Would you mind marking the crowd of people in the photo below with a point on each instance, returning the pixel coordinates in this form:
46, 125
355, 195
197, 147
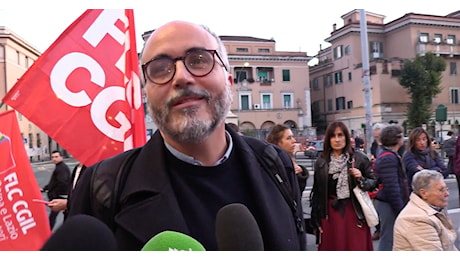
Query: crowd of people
195, 164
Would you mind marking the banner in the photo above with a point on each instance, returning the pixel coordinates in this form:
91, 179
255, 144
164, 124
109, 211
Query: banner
84, 91
23, 223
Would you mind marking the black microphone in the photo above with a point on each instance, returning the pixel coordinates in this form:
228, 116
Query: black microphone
81, 233
237, 229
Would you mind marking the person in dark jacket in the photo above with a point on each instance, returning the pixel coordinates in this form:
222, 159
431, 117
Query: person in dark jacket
457, 166
421, 155
61, 204
194, 164
449, 149
58, 185
282, 136
394, 192
336, 214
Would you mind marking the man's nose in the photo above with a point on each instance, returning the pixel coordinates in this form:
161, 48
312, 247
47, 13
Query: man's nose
182, 75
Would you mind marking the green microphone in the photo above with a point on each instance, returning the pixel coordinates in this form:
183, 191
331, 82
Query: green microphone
172, 241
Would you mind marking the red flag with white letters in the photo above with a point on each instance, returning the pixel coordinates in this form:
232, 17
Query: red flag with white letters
84, 91
23, 222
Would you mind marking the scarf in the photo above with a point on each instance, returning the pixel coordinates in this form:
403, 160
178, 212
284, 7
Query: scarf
339, 170
424, 156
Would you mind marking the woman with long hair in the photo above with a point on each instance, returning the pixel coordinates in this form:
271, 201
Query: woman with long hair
337, 216
282, 136
421, 155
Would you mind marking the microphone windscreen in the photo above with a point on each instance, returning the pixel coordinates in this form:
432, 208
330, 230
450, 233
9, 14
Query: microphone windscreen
172, 241
81, 233
237, 229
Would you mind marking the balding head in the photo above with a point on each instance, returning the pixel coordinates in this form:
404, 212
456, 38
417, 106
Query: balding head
183, 32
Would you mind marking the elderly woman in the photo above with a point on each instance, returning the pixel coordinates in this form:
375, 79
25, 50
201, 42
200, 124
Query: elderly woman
336, 214
423, 224
282, 136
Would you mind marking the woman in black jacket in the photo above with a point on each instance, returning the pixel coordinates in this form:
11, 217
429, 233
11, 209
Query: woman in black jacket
336, 215
282, 136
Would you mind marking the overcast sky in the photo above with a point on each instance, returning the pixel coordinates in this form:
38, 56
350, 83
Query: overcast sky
296, 25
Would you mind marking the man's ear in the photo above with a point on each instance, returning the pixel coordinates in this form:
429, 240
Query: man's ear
230, 79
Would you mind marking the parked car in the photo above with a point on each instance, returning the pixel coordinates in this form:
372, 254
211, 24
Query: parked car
314, 149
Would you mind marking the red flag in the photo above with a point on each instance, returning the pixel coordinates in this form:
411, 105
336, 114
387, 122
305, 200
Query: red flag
84, 91
23, 223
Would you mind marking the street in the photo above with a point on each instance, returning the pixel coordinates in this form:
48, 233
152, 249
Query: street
43, 172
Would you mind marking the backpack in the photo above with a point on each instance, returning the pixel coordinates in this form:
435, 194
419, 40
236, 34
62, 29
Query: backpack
105, 191
374, 193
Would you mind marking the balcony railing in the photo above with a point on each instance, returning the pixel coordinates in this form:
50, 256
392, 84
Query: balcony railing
443, 49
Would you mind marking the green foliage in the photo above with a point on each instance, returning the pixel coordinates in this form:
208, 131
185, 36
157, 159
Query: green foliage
421, 78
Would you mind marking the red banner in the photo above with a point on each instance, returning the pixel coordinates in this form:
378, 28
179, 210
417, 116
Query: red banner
84, 91
23, 223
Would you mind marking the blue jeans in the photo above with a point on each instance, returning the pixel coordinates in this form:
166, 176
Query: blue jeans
387, 219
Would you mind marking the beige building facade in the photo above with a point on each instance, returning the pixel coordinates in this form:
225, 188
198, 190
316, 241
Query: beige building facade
16, 56
270, 87
337, 88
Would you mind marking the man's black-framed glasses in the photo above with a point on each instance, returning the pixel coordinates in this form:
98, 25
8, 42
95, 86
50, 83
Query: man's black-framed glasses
198, 62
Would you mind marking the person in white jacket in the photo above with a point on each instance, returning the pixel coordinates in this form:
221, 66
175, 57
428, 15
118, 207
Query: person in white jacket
423, 224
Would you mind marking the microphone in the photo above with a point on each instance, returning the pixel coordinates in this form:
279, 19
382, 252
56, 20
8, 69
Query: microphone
81, 233
172, 241
237, 229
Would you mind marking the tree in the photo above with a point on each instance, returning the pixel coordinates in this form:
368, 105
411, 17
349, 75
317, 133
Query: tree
422, 77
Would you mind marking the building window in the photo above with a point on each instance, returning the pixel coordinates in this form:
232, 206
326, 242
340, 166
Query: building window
340, 103
31, 140
245, 101
242, 50
338, 77
450, 39
315, 84
266, 101
18, 57
287, 101
286, 75
329, 105
349, 76
395, 73
240, 75
437, 38
453, 68
338, 52
350, 104
39, 141
347, 50
328, 80
424, 37
263, 50
376, 50
454, 95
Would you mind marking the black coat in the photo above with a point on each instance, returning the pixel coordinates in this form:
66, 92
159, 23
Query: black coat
319, 201
58, 186
152, 207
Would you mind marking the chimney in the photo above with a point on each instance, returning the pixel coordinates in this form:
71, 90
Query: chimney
334, 27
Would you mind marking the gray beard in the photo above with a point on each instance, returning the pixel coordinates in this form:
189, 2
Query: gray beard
183, 125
